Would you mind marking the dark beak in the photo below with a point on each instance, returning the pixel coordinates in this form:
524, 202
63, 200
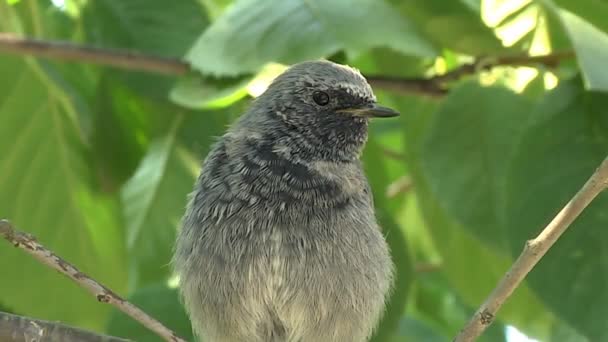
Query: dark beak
370, 111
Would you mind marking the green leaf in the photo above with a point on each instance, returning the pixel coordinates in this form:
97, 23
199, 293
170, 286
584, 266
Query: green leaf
591, 47
153, 201
451, 24
164, 28
442, 309
122, 126
155, 197
155, 27
47, 190
472, 267
563, 332
158, 301
559, 151
376, 172
196, 92
414, 330
466, 153
252, 33
594, 12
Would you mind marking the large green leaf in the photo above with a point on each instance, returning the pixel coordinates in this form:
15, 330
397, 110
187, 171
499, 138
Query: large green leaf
472, 267
47, 191
252, 33
466, 153
159, 301
559, 150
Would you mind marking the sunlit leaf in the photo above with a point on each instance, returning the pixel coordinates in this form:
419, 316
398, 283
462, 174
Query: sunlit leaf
591, 47
252, 33
195, 91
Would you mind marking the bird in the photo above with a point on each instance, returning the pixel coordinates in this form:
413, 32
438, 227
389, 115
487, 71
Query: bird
279, 241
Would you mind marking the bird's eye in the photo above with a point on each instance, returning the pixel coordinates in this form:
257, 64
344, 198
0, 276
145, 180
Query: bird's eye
321, 98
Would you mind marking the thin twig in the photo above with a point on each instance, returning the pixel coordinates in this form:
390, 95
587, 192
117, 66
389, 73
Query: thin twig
426, 267
533, 251
434, 86
401, 186
103, 294
392, 154
122, 59
25, 329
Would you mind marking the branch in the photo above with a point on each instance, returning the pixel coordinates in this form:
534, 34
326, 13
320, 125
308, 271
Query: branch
121, 59
426, 267
435, 86
103, 294
401, 186
533, 251
407, 86
25, 329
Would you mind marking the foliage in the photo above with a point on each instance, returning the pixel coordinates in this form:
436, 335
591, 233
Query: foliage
97, 162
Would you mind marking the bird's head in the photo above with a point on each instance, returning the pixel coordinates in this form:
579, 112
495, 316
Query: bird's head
323, 106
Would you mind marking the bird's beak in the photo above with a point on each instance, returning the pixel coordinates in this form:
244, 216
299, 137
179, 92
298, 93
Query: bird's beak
370, 111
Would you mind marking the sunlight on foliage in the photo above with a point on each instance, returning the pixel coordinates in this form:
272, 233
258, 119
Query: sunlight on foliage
263, 79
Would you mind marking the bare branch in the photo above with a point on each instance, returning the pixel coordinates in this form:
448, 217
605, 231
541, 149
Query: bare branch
401, 186
116, 58
103, 294
392, 154
426, 267
533, 251
435, 86
25, 329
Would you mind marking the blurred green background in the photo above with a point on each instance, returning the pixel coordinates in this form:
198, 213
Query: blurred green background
97, 162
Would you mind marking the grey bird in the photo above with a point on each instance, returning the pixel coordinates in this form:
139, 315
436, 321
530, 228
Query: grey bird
279, 241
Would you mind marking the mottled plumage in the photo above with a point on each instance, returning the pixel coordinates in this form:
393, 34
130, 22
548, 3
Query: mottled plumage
279, 240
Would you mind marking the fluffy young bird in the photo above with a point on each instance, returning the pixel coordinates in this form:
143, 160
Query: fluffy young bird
279, 240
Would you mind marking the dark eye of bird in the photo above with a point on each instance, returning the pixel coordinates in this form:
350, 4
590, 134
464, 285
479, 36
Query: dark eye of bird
321, 98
